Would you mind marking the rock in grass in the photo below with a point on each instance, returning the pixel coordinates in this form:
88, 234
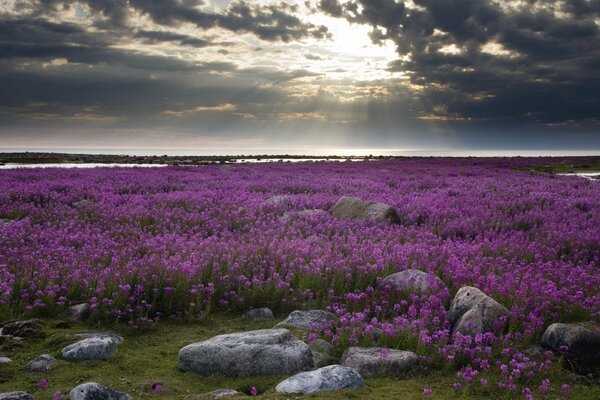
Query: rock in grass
326, 379
43, 363
259, 314
322, 352
279, 200
115, 338
419, 282
5, 360
379, 361
16, 396
260, 352
220, 393
94, 348
353, 207
301, 319
95, 391
29, 329
582, 344
473, 312
79, 312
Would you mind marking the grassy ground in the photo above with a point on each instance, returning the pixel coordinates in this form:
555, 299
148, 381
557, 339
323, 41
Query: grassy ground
151, 357
562, 168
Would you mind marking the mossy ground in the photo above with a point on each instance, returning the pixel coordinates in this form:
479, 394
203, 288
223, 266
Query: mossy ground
150, 357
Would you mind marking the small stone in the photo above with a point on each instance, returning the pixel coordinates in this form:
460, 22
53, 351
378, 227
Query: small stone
5, 360
79, 312
219, 393
582, 344
280, 200
379, 361
259, 314
260, 352
24, 329
473, 312
326, 379
300, 319
16, 396
93, 348
353, 207
43, 363
95, 391
418, 282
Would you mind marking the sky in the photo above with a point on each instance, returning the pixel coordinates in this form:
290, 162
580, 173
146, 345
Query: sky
289, 75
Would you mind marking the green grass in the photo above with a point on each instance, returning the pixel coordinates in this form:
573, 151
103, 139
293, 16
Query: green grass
150, 357
567, 167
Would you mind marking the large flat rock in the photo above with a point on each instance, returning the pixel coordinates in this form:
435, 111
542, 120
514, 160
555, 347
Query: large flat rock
353, 207
260, 352
326, 379
93, 348
379, 361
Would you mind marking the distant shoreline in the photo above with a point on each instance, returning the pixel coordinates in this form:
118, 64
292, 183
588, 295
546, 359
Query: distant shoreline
83, 158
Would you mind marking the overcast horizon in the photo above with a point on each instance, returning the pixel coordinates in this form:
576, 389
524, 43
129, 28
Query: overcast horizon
295, 76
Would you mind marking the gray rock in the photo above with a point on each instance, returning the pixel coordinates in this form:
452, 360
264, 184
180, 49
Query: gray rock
5, 360
289, 215
43, 363
93, 348
353, 207
219, 393
322, 352
95, 391
79, 312
261, 352
583, 344
23, 329
105, 335
326, 379
280, 200
473, 312
259, 314
16, 396
301, 319
416, 281
379, 361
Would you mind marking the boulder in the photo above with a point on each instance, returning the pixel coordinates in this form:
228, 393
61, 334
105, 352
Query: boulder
301, 319
326, 379
473, 312
219, 393
103, 335
43, 363
24, 329
5, 360
259, 314
582, 344
289, 215
95, 391
93, 348
322, 352
279, 200
260, 352
16, 396
353, 207
417, 282
379, 361
79, 312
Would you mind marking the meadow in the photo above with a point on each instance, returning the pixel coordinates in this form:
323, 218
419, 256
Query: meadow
179, 246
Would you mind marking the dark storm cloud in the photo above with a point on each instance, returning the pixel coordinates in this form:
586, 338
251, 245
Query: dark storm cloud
546, 72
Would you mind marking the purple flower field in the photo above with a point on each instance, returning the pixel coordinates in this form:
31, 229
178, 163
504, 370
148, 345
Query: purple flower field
142, 245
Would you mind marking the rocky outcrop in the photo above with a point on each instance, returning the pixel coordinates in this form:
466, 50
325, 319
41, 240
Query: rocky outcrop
580, 345
29, 329
326, 379
473, 312
95, 391
92, 348
261, 352
43, 363
379, 361
259, 314
301, 319
353, 207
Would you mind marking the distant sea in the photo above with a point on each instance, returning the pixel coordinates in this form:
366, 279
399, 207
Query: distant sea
311, 152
